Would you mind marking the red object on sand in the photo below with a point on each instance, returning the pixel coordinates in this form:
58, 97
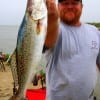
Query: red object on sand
36, 94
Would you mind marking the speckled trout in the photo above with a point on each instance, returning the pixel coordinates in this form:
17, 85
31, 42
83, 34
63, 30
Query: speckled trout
30, 41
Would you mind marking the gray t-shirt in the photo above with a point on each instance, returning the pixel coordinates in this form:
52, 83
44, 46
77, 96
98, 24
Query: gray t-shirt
71, 71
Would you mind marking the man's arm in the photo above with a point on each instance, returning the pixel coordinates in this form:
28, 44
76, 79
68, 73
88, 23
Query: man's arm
98, 57
98, 65
52, 29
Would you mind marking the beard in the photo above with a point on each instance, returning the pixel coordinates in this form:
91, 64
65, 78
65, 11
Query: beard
70, 17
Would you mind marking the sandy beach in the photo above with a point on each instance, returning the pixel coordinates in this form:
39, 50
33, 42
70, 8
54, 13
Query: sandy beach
6, 84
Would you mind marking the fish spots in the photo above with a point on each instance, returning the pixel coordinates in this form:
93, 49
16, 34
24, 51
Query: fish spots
39, 26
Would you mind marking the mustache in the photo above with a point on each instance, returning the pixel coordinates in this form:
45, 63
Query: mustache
67, 12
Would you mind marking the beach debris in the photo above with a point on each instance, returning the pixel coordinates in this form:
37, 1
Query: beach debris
31, 37
2, 66
39, 76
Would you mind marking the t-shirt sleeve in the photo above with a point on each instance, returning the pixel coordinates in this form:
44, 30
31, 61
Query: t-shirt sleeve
98, 57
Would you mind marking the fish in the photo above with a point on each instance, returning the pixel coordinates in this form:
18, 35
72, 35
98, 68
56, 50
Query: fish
30, 41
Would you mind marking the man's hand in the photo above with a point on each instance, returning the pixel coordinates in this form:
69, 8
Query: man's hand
52, 7
53, 24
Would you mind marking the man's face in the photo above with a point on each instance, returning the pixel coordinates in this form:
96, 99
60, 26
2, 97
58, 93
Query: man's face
70, 11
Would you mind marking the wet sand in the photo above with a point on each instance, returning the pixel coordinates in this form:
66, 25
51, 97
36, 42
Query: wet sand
6, 84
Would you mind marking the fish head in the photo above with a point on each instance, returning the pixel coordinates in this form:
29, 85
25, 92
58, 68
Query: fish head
36, 9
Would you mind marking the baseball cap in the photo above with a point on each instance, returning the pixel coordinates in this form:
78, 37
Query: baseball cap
64, 0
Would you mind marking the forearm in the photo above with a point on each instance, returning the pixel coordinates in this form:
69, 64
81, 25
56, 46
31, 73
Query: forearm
53, 24
98, 65
52, 34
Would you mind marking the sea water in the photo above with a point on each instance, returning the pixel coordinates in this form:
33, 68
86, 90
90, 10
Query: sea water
8, 38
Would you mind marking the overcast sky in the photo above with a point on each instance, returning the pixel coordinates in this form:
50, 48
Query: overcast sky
12, 11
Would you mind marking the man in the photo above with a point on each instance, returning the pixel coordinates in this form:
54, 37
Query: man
71, 70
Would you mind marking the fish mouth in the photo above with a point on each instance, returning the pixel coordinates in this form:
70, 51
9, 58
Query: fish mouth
37, 20
37, 10
37, 15
30, 13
